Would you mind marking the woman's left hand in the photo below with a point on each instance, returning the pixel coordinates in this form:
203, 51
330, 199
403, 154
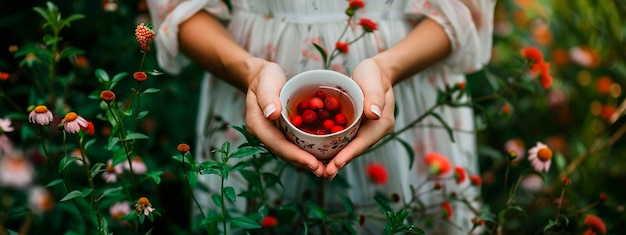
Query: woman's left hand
378, 108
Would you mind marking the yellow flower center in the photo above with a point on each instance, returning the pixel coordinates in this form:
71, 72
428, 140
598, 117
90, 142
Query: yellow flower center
41, 109
544, 154
143, 201
71, 116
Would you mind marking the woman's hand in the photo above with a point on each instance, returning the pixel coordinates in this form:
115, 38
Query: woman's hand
263, 108
378, 107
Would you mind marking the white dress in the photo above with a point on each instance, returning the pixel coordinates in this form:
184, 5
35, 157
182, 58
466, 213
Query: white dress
283, 31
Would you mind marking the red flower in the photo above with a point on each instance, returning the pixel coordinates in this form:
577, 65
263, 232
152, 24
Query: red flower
595, 223
437, 163
533, 54
589, 232
140, 76
475, 180
89, 129
546, 79
459, 174
446, 210
356, 4
437, 186
4, 76
368, 25
377, 173
269, 221
144, 35
603, 197
342, 47
566, 181
506, 109
461, 85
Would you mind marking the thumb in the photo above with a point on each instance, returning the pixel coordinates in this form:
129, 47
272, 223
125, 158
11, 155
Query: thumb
372, 87
270, 81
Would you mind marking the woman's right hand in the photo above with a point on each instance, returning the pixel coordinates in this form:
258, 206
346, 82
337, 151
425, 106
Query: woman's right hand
263, 108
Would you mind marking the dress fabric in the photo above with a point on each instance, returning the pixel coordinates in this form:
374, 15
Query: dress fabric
283, 31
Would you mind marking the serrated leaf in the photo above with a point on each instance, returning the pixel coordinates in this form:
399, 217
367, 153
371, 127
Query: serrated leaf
245, 223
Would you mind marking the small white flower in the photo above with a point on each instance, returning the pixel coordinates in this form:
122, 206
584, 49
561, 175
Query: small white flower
40, 115
143, 206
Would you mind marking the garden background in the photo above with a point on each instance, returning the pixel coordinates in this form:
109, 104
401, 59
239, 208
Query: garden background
578, 116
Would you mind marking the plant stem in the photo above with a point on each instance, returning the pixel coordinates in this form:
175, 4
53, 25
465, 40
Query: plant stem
558, 209
405, 128
122, 136
506, 176
223, 208
90, 181
189, 187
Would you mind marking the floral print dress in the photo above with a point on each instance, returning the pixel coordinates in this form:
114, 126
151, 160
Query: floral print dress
283, 31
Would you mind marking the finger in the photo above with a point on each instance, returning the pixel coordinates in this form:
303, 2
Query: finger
275, 141
369, 133
271, 80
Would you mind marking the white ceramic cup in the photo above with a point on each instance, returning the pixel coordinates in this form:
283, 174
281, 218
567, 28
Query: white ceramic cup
324, 147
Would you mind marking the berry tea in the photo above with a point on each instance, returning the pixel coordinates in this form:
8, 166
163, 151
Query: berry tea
320, 109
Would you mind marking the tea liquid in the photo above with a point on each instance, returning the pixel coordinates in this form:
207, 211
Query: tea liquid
306, 94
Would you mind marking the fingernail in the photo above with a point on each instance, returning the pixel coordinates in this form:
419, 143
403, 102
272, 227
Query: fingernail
269, 110
331, 178
375, 109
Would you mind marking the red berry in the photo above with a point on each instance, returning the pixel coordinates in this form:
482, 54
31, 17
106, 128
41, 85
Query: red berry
336, 129
316, 103
309, 116
304, 105
328, 124
296, 121
320, 94
331, 103
341, 119
323, 114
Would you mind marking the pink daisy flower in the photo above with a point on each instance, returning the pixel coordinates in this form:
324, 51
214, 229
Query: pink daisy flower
73, 123
40, 115
540, 157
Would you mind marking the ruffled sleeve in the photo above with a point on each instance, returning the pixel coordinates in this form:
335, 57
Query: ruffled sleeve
166, 16
468, 24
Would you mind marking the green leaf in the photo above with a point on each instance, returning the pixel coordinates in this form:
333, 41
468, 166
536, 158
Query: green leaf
102, 76
135, 136
213, 217
239, 166
109, 191
151, 90
347, 203
96, 168
229, 192
70, 51
502, 214
383, 204
315, 211
244, 152
116, 79
322, 52
155, 176
217, 199
73, 17
54, 182
409, 151
89, 143
142, 114
245, 223
445, 125
409, 228
65, 162
74, 194
272, 179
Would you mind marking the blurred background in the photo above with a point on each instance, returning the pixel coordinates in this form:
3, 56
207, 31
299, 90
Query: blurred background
579, 117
